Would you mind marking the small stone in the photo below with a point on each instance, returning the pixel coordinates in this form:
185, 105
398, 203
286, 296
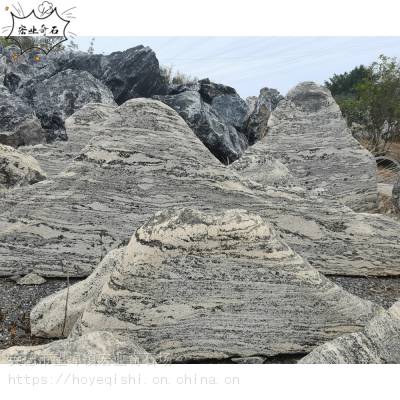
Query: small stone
31, 279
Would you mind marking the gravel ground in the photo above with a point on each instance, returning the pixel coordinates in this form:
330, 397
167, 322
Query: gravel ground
16, 302
382, 291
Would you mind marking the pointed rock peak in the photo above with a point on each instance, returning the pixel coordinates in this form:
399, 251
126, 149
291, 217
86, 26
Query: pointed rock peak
310, 96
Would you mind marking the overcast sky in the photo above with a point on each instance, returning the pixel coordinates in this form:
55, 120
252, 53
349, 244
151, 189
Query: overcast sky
250, 63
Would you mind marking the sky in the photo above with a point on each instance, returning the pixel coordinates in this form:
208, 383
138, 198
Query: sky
251, 63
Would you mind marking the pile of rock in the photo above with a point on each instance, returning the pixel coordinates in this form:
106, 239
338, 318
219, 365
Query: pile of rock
140, 158
196, 260
54, 90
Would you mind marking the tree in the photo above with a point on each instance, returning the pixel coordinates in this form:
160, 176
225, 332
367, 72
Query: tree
344, 85
369, 99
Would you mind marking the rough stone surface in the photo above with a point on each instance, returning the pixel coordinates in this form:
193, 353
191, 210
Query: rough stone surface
211, 90
264, 170
56, 156
179, 88
378, 343
232, 108
205, 286
143, 158
31, 279
59, 96
261, 108
18, 74
128, 74
396, 195
13, 110
309, 135
218, 135
93, 348
18, 169
29, 132
50, 318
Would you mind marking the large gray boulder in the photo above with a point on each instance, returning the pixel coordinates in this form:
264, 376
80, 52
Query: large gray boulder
260, 110
13, 110
27, 133
378, 343
208, 286
218, 135
128, 74
18, 169
93, 348
308, 134
225, 101
56, 98
141, 158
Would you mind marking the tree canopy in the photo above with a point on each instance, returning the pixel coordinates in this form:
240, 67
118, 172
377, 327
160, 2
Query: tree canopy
369, 98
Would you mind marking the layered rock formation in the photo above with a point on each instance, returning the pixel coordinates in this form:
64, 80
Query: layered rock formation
309, 135
378, 343
18, 169
94, 348
208, 286
142, 158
